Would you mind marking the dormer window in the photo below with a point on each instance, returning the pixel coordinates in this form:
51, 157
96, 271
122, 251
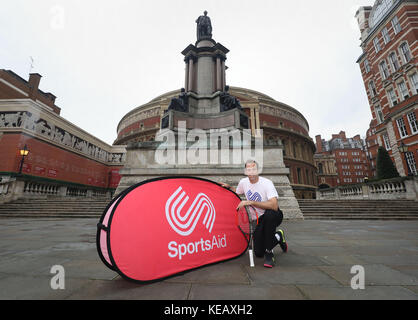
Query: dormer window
379, 11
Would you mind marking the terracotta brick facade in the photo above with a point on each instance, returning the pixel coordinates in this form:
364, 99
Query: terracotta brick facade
52, 160
389, 66
341, 160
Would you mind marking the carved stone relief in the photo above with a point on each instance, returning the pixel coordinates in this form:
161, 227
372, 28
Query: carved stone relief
47, 129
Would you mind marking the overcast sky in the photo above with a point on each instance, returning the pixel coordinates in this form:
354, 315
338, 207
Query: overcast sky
104, 58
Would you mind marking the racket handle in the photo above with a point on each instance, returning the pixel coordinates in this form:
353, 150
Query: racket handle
250, 252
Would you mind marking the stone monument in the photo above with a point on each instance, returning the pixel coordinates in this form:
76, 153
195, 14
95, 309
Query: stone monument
205, 131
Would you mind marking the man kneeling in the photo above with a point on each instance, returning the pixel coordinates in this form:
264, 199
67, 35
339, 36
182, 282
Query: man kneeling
262, 195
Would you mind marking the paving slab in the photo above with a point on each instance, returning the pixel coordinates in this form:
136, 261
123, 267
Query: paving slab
20, 287
317, 265
374, 275
245, 292
120, 289
290, 275
231, 272
347, 293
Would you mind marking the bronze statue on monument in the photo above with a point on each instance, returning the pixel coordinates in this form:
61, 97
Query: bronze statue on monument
204, 27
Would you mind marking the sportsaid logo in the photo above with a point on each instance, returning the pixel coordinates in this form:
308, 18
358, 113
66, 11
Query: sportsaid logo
185, 224
183, 221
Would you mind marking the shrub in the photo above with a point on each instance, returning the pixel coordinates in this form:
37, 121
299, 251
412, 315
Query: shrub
385, 167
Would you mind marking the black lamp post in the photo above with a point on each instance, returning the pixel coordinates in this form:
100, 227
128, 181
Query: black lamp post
23, 152
403, 148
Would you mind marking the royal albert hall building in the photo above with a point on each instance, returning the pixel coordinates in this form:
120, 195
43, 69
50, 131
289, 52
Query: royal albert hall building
278, 121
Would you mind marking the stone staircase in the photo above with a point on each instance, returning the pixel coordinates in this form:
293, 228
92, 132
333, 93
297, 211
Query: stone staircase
81, 207
54, 207
359, 209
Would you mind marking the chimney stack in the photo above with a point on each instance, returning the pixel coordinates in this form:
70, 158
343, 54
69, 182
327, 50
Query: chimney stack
34, 80
318, 143
362, 16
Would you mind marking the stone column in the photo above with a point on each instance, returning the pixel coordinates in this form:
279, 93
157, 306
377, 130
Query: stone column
205, 75
190, 85
223, 74
218, 74
186, 80
252, 121
257, 120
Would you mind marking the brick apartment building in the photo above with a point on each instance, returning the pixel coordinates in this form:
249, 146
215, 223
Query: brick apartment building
389, 39
341, 160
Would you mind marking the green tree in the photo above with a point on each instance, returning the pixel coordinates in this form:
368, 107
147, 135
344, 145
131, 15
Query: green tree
385, 167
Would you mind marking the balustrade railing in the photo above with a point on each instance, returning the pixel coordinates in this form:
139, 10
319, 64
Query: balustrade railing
399, 188
5, 187
34, 188
13, 188
76, 192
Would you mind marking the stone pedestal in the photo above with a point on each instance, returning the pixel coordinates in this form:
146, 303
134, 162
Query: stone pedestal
204, 102
182, 147
141, 165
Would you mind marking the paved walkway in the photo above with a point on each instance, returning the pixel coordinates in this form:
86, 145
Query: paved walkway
317, 266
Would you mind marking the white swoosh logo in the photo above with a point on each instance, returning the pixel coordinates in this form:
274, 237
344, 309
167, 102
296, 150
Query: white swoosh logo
185, 224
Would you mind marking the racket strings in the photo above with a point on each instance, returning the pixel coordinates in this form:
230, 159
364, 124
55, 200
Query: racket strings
244, 222
247, 220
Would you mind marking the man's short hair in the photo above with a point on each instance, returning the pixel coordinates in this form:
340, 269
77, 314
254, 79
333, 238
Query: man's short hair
249, 162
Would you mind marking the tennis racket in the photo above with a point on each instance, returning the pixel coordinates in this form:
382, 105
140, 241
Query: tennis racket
247, 220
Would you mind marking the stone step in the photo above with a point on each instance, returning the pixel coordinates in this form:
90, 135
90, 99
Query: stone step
361, 214
359, 209
41, 215
52, 209
356, 208
364, 202
364, 218
55, 207
348, 205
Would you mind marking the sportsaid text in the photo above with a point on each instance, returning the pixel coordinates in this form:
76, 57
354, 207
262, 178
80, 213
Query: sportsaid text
180, 250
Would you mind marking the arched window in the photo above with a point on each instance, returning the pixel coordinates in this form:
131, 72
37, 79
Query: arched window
405, 52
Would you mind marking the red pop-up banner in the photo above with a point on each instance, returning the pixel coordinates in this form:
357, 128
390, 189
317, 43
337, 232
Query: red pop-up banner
166, 226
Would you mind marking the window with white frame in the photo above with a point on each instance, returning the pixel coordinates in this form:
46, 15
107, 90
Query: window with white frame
384, 69
411, 162
414, 82
366, 66
396, 25
392, 97
379, 114
372, 89
403, 90
405, 52
376, 44
386, 141
393, 59
412, 119
385, 35
402, 128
